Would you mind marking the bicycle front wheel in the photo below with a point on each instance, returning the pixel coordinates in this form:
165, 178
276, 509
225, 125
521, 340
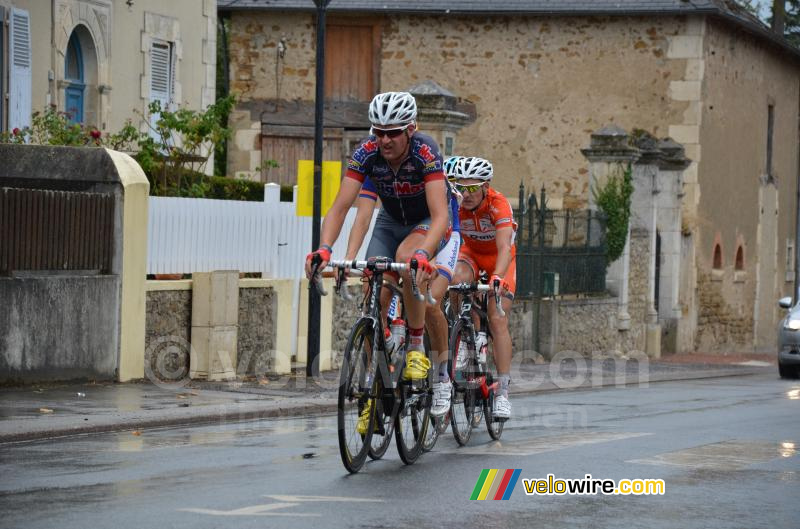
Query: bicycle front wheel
494, 427
462, 402
384, 428
413, 420
355, 432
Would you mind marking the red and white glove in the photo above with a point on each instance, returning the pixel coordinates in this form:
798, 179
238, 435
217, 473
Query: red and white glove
423, 261
503, 283
324, 252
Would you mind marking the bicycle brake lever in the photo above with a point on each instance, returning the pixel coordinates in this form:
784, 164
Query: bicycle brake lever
316, 278
497, 299
341, 285
413, 274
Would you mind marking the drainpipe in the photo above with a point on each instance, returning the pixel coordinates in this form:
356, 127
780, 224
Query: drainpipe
52, 89
797, 221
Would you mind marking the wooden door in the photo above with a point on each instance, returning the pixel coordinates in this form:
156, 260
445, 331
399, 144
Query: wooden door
352, 52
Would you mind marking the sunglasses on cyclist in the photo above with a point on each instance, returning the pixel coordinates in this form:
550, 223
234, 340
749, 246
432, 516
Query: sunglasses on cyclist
392, 133
472, 188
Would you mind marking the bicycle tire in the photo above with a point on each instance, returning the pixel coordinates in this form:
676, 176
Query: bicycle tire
412, 420
495, 428
462, 402
380, 443
353, 446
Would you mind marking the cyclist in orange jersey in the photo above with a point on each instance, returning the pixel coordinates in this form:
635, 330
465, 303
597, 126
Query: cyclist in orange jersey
487, 231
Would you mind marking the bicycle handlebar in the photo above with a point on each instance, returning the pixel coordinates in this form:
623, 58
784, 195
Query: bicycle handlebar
480, 287
377, 265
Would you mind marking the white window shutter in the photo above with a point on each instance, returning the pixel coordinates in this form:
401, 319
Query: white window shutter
160, 73
19, 89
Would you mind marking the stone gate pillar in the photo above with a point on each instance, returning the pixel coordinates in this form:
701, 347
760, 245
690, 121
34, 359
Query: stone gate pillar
644, 211
438, 116
671, 166
609, 154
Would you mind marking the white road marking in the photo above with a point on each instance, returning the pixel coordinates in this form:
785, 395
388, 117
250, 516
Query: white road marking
280, 497
285, 502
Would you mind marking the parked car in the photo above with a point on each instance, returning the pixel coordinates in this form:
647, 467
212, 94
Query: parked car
789, 340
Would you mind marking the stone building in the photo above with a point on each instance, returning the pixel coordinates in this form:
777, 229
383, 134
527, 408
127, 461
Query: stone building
538, 77
101, 60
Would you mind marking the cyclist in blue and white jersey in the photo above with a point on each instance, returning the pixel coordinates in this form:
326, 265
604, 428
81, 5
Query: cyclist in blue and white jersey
445, 263
406, 169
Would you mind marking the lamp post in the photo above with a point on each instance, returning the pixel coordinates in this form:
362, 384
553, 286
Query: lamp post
312, 348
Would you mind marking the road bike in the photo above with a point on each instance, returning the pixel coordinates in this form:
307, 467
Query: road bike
472, 376
373, 398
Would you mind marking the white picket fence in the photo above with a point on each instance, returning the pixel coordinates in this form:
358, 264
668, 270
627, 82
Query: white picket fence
186, 235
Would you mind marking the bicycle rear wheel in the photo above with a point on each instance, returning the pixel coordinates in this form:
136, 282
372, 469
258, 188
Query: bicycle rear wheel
413, 419
353, 397
384, 428
462, 402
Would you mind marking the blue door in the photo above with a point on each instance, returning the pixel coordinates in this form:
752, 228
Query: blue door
73, 74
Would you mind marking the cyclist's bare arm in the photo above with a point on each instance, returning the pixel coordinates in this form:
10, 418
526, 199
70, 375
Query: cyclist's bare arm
503, 240
364, 208
435, 192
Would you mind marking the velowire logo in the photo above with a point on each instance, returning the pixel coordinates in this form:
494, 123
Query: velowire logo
496, 484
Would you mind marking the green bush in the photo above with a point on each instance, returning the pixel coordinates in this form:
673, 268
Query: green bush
614, 199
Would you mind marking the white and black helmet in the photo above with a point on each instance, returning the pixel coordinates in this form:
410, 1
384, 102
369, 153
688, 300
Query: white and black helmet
392, 108
473, 167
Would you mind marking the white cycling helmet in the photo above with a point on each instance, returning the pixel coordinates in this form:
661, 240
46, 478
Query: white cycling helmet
473, 167
392, 108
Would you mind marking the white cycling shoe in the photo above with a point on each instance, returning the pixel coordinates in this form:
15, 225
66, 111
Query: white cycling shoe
502, 408
441, 398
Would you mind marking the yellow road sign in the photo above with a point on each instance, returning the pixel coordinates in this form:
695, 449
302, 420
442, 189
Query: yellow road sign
331, 179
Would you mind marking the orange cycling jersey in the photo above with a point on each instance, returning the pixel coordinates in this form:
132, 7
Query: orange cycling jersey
479, 227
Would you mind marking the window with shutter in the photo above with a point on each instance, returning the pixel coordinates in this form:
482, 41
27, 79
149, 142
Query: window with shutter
162, 76
161, 73
19, 89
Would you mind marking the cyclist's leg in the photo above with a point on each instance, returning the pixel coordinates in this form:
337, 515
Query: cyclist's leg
435, 321
415, 309
501, 338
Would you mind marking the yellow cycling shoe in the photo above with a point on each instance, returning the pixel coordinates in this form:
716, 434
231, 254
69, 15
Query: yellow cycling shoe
363, 417
417, 366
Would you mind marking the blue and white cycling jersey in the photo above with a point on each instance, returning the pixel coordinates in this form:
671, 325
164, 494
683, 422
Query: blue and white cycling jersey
402, 193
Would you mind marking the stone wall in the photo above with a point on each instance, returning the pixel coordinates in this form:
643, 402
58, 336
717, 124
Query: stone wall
257, 328
722, 326
168, 332
588, 325
168, 328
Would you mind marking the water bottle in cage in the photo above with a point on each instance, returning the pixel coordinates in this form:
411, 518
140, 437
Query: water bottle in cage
393, 305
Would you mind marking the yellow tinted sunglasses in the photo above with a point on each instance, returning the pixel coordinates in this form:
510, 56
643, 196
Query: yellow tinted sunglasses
471, 188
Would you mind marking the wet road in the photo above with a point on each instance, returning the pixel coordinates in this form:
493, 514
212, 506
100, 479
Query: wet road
725, 449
